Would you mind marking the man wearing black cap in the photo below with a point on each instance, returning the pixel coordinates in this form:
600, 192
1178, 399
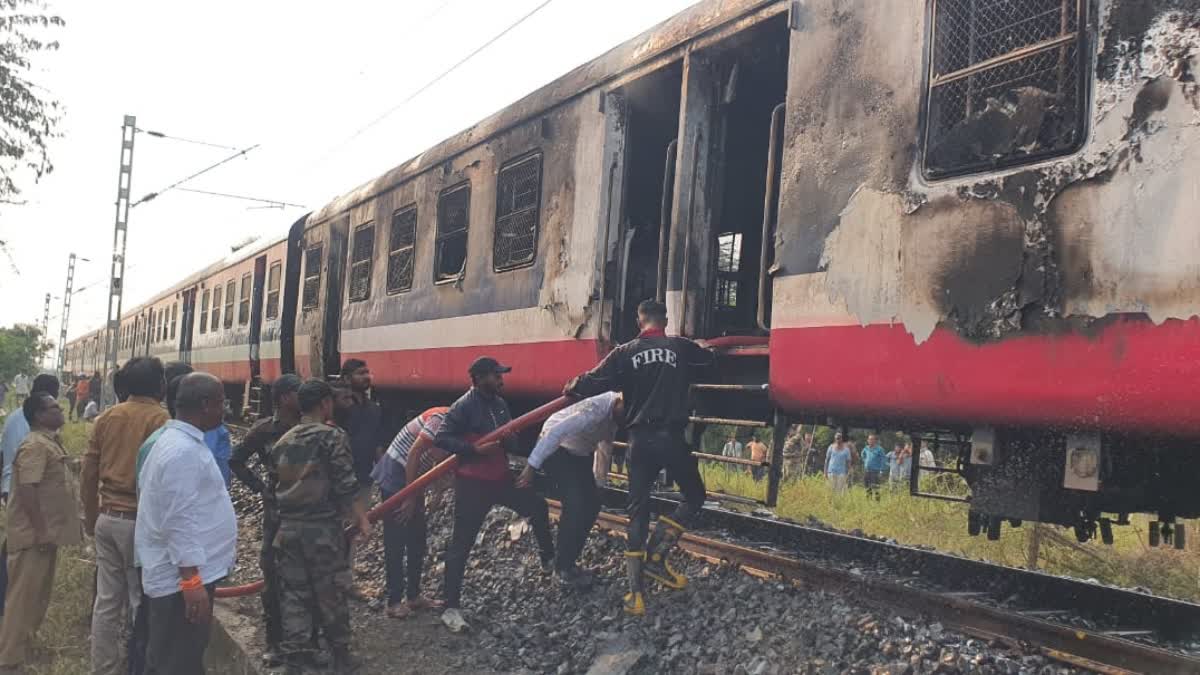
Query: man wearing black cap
258, 443
654, 372
482, 479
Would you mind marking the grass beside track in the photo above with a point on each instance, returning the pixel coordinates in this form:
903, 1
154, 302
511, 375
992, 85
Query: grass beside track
1129, 562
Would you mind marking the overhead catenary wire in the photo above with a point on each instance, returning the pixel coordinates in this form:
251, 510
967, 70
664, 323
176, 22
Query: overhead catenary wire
159, 134
199, 173
212, 193
442, 75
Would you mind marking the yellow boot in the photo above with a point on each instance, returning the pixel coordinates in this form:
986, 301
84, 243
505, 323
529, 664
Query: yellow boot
666, 534
635, 603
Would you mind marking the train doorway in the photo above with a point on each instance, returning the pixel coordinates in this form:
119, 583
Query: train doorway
752, 67
331, 326
256, 314
651, 112
187, 323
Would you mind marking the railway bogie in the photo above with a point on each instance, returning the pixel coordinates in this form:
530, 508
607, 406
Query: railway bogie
919, 215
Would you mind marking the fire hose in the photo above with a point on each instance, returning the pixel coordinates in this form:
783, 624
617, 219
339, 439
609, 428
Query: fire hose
390, 504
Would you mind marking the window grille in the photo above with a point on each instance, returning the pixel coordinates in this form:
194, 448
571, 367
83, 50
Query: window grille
244, 301
1006, 83
361, 254
729, 264
312, 277
401, 249
204, 312
518, 195
273, 275
174, 318
453, 219
216, 309
230, 299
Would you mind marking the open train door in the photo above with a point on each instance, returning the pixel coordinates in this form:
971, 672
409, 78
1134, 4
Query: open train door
726, 185
331, 325
187, 322
256, 315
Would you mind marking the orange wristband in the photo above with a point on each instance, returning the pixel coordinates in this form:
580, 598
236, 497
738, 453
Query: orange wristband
191, 582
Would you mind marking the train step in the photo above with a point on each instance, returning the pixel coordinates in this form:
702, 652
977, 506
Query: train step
747, 388
731, 422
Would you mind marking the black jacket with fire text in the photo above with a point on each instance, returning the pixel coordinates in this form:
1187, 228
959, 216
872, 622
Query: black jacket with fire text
654, 373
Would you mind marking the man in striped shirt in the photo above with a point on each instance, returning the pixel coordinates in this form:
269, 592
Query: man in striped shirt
410, 454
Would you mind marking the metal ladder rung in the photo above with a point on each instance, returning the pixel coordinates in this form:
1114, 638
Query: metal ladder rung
729, 422
749, 388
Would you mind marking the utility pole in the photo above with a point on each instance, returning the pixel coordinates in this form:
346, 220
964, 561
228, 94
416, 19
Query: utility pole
66, 315
116, 285
45, 327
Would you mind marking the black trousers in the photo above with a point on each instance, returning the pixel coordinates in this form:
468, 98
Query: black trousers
473, 499
176, 646
652, 449
576, 484
404, 547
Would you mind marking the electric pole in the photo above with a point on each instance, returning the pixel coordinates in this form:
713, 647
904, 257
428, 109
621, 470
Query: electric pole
116, 285
66, 315
45, 328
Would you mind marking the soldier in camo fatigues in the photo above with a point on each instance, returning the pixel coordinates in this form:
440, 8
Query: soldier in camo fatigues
315, 490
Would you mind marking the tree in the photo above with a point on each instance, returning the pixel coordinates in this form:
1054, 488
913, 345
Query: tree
28, 114
21, 350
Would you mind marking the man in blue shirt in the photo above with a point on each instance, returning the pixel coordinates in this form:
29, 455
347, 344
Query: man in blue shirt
875, 465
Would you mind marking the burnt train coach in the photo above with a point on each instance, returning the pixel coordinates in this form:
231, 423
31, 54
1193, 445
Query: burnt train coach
969, 220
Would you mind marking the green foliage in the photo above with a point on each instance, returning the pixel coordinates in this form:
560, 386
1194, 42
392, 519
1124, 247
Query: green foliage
27, 114
22, 348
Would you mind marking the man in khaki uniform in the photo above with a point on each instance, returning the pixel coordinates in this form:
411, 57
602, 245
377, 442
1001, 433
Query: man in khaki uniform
42, 516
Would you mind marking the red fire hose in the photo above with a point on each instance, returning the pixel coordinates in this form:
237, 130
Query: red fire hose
530, 418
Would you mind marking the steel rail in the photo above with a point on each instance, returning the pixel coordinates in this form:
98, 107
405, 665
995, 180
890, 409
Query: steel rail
1067, 644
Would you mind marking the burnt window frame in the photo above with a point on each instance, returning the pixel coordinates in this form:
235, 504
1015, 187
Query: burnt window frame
230, 303
317, 252
440, 237
244, 295
1081, 39
204, 300
271, 309
218, 299
355, 264
512, 165
395, 251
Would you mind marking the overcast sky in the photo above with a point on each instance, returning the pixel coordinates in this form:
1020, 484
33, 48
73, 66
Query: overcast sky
300, 78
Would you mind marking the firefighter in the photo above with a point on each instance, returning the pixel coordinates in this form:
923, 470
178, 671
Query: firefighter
654, 372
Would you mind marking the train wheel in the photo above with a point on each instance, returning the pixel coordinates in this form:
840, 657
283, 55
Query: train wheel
1154, 524
993, 528
1082, 533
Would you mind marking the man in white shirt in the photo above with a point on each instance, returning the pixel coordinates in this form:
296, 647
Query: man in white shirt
564, 451
732, 448
186, 531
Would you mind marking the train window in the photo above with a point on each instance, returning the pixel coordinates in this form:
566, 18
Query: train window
216, 309
273, 276
204, 312
453, 218
361, 253
174, 318
312, 277
401, 248
244, 301
518, 195
1006, 84
230, 289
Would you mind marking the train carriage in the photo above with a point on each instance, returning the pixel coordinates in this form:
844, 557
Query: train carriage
970, 220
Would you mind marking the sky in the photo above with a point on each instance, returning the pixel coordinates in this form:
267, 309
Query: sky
306, 81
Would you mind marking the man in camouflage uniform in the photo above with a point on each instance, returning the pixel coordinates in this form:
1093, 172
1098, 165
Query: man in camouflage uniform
315, 489
257, 444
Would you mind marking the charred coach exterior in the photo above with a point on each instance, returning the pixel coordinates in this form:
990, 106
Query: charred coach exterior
974, 221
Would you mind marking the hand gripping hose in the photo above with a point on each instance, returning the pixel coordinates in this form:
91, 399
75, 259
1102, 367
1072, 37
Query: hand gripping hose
516, 426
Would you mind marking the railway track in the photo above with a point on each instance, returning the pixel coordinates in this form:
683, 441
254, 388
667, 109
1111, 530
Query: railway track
1093, 650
